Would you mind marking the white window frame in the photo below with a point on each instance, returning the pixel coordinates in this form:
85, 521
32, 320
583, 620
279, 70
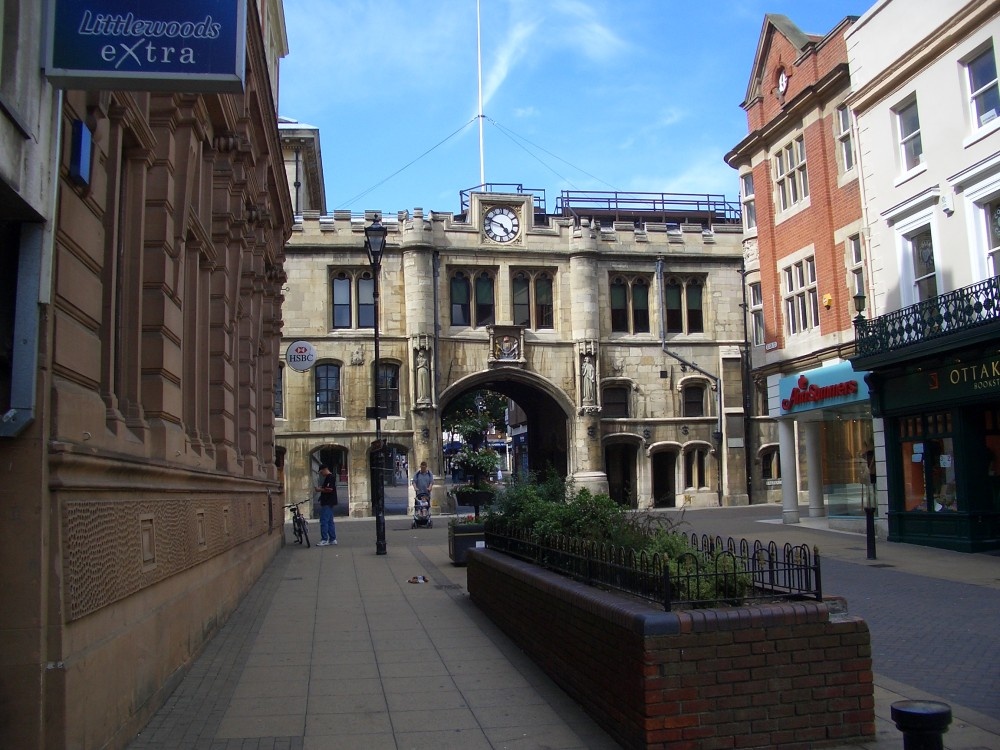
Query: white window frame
801, 299
791, 183
842, 129
756, 313
856, 264
983, 90
906, 139
749, 204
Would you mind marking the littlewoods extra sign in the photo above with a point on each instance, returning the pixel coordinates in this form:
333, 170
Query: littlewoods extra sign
153, 45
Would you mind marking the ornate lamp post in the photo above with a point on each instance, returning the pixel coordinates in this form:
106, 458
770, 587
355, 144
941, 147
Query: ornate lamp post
868, 501
375, 247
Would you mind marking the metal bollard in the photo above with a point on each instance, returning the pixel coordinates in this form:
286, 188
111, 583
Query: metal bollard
923, 723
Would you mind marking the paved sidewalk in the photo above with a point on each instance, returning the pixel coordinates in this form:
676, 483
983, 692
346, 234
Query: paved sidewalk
334, 648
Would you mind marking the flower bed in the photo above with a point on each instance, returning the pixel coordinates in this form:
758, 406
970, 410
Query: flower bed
784, 675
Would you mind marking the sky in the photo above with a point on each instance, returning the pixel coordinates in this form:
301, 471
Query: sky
594, 95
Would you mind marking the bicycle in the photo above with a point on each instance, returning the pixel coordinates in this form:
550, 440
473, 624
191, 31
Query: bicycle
300, 529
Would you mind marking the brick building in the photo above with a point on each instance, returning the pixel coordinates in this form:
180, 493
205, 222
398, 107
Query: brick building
805, 261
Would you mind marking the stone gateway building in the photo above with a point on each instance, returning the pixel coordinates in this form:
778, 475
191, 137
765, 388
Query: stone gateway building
615, 324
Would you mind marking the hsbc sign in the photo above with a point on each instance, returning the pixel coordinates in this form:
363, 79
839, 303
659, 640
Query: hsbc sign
300, 356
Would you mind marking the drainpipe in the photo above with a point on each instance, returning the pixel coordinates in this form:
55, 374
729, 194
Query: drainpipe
436, 266
686, 364
748, 444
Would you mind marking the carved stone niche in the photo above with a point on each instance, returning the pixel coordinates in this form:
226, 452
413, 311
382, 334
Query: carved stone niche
506, 346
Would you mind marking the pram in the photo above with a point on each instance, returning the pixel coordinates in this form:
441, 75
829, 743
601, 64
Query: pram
422, 511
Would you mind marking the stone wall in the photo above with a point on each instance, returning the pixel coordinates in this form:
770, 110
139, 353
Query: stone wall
785, 675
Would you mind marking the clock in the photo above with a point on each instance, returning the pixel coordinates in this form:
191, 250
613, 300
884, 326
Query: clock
782, 82
501, 224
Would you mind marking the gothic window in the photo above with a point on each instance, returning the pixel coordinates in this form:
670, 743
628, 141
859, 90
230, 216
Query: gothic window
388, 388
629, 304
327, 380
341, 285
460, 313
532, 299
366, 301
695, 468
770, 463
485, 302
615, 402
684, 305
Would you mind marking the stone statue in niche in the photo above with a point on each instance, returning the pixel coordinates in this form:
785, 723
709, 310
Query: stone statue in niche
589, 380
423, 377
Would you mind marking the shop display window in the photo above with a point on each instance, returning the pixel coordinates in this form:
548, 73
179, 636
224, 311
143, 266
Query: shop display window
928, 463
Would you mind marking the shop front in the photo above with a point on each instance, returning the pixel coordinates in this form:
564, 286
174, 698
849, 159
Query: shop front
942, 427
825, 433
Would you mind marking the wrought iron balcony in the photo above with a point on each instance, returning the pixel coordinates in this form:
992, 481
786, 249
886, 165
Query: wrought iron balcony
965, 313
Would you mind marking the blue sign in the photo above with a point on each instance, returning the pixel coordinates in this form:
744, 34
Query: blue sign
822, 387
150, 45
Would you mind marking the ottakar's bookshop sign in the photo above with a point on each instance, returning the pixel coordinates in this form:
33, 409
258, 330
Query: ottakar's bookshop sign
150, 45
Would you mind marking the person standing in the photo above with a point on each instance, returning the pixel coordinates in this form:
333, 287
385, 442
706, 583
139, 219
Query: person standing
423, 480
327, 499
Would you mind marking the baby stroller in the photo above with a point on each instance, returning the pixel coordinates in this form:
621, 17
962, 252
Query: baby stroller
422, 511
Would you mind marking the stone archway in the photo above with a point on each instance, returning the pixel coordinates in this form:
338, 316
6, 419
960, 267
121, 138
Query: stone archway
551, 420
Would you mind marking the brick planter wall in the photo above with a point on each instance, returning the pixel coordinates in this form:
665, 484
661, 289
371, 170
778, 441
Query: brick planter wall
790, 675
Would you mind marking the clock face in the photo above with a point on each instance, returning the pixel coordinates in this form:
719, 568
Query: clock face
501, 224
782, 82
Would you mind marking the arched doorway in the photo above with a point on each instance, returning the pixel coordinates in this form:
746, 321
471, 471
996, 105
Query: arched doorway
335, 457
547, 412
620, 463
664, 479
397, 473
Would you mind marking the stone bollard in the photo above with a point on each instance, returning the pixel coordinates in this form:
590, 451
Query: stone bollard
923, 723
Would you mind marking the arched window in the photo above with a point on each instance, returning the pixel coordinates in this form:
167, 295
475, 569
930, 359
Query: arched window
388, 388
695, 468
327, 386
341, 286
684, 303
366, 301
629, 305
693, 400
460, 300
485, 303
532, 299
614, 402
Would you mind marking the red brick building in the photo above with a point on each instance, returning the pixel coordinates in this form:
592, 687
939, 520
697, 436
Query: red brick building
804, 251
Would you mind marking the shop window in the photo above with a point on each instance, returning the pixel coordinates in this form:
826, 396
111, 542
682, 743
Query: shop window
928, 463
614, 403
327, 387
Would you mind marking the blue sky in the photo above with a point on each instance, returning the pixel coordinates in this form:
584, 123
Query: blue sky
628, 95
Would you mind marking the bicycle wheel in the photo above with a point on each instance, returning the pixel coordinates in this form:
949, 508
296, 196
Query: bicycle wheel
305, 531
296, 530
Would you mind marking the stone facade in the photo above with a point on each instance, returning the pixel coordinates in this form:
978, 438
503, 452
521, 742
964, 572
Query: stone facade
140, 490
605, 385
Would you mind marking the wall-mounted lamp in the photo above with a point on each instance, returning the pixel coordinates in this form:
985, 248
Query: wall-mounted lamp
859, 306
827, 301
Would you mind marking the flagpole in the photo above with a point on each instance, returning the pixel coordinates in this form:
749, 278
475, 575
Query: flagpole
479, 61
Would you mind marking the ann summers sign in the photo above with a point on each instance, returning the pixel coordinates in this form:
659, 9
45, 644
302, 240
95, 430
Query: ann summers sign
153, 45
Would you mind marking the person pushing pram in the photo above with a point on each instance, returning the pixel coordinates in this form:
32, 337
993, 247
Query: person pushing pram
422, 483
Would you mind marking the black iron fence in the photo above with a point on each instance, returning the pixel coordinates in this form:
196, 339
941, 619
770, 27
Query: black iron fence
712, 572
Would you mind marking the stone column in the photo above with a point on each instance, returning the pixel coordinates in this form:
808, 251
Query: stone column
789, 472
814, 468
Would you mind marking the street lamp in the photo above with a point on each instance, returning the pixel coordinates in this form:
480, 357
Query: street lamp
859, 306
375, 247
